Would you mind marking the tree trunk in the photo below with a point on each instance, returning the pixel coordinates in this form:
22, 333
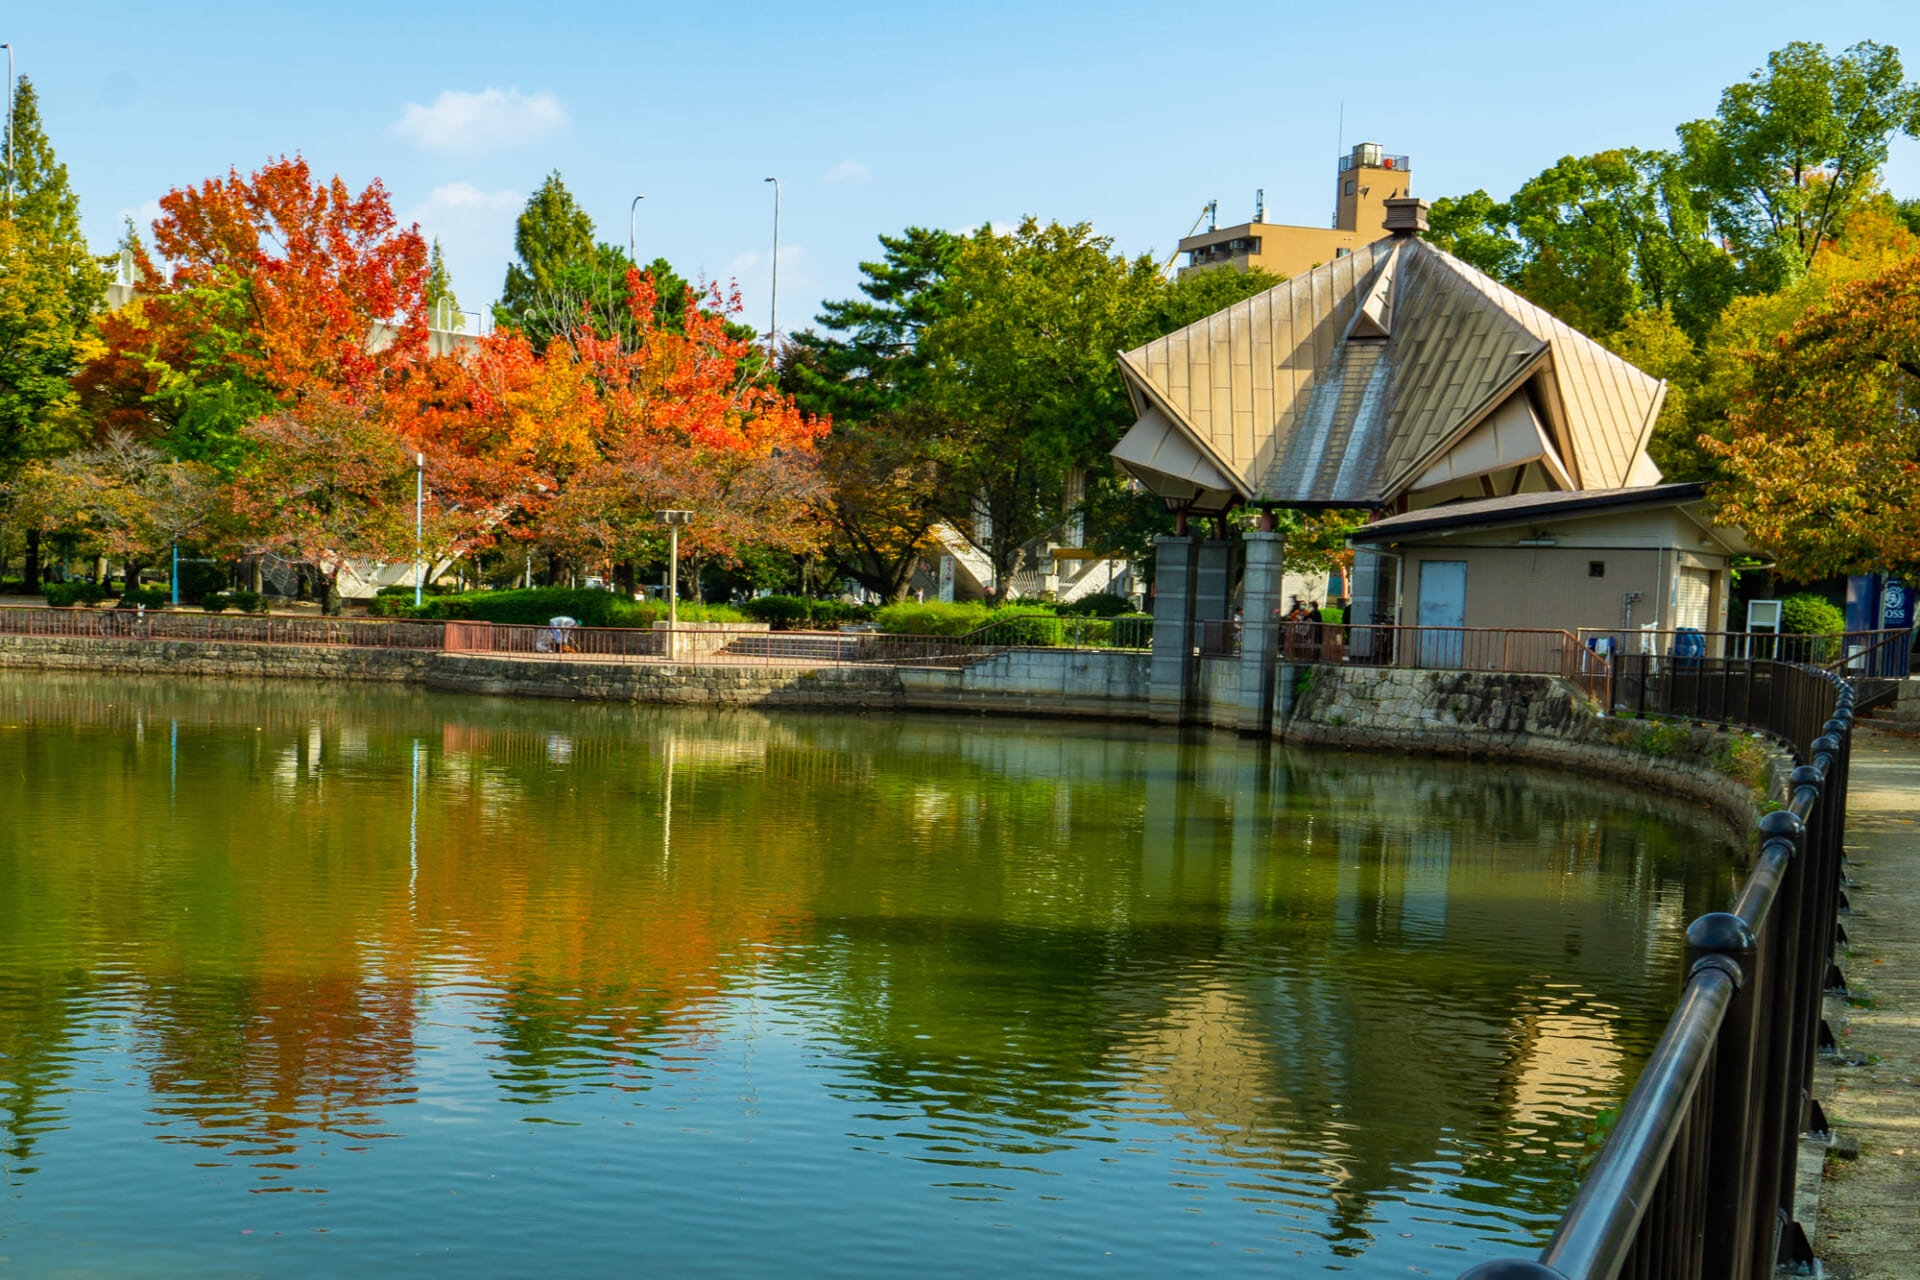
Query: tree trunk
256, 572
32, 572
623, 577
329, 596
100, 571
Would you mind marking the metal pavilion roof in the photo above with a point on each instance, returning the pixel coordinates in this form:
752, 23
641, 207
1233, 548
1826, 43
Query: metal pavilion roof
1391, 370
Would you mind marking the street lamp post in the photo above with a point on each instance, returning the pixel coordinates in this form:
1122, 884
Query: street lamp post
673, 520
9, 49
773, 306
419, 521
632, 255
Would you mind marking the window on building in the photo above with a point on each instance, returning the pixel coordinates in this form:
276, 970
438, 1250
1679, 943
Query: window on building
1349, 187
1596, 568
1341, 253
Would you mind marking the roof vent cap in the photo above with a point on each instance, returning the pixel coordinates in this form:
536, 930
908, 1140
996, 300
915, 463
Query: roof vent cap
1406, 215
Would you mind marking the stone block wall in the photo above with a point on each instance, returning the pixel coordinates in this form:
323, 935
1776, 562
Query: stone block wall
1105, 684
1535, 718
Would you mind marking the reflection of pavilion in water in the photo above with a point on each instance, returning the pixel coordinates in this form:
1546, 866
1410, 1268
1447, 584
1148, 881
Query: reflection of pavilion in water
1406, 973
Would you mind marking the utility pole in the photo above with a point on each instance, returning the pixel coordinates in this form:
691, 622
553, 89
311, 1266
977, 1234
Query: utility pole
632, 209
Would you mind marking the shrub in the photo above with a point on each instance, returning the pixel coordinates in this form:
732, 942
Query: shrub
1101, 604
151, 597
215, 602
796, 613
533, 607
247, 601
1807, 614
64, 595
933, 618
783, 613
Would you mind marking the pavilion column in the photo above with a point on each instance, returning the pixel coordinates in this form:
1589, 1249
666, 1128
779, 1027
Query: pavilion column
1176, 567
1260, 630
1213, 583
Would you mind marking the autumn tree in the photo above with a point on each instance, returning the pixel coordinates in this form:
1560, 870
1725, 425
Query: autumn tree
1822, 459
280, 286
135, 499
325, 481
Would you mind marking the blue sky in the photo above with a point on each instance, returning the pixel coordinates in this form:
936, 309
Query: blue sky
876, 117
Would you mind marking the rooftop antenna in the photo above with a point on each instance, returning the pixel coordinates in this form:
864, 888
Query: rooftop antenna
1213, 214
1259, 204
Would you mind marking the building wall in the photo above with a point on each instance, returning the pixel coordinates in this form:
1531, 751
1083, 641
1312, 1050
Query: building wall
1285, 251
1514, 586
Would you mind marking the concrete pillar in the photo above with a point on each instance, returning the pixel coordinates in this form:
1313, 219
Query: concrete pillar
1176, 568
1213, 588
1260, 630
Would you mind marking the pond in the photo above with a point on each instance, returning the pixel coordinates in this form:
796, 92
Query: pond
298, 979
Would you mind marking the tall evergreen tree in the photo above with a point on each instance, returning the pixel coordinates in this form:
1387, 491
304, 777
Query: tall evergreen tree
50, 287
440, 286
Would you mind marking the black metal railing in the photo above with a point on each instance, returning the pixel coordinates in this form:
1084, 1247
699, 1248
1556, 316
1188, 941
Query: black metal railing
1697, 1176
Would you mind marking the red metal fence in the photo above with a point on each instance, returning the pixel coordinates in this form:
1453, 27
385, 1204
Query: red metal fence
150, 624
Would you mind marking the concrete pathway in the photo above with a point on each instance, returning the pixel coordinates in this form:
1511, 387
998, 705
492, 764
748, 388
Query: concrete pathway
1870, 1207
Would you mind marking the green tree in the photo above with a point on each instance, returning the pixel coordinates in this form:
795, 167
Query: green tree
1793, 146
50, 286
440, 287
869, 359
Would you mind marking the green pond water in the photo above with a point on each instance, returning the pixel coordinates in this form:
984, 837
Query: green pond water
303, 980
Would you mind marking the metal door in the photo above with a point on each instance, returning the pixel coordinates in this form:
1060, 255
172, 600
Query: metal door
1443, 603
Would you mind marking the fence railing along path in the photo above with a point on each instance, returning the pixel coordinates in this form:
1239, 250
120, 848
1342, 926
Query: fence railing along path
1696, 1178
155, 624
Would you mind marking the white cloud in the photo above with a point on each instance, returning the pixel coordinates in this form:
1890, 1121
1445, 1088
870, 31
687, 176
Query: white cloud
848, 171
475, 229
460, 121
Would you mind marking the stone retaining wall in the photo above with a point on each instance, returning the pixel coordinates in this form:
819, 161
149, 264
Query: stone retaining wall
1488, 714
1535, 718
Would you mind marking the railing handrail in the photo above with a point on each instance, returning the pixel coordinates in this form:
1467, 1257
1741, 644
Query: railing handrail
1696, 1180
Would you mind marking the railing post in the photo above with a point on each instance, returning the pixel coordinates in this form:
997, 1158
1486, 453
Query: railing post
1722, 940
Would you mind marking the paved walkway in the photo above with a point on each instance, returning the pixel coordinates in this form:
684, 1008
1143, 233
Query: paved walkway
1870, 1208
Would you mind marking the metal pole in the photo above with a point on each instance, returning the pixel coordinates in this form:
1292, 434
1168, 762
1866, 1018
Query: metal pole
773, 307
632, 255
10, 84
673, 591
419, 521
173, 579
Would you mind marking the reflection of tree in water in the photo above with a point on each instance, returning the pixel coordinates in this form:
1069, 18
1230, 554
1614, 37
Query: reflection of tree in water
1307, 967
39, 1025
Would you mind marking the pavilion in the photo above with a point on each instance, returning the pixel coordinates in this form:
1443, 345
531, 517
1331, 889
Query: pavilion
1392, 379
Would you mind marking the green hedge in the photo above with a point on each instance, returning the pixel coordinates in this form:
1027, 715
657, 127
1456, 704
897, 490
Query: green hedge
244, 601
534, 607
1101, 604
62, 595
152, 597
798, 613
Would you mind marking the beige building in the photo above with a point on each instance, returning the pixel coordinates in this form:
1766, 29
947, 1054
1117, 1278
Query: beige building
1606, 559
1366, 179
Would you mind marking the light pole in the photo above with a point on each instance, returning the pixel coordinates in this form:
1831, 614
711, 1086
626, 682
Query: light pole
9, 49
673, 520
419, 521
173, 579
773, 306
632, 209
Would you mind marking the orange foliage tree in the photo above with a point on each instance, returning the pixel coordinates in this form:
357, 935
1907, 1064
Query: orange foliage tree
1823, 457
277, 285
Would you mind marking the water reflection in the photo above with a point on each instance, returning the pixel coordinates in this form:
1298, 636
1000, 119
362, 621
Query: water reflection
1085, 987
